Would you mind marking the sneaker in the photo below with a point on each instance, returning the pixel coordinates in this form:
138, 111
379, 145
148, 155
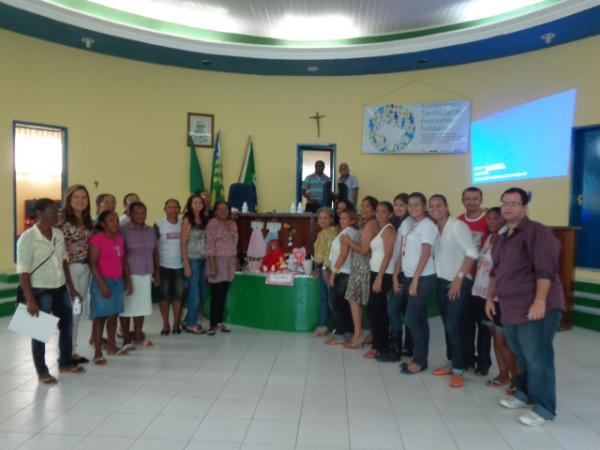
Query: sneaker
513, 403
532, 419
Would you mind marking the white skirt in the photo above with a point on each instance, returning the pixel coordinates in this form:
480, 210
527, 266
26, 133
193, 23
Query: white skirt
139, 303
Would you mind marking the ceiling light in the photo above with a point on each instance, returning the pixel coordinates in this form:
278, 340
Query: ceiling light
87, 41
312, 68
548, 38
320, 28
196, 15
479, 9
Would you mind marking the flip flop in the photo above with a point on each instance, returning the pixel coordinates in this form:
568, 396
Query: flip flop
371, 354
72, 369
494, 383
334, 341
441, 372
100, 361
129, 347
404, 369
147, 343
118, 352
193, 330
47, 379
456, 382
165, 332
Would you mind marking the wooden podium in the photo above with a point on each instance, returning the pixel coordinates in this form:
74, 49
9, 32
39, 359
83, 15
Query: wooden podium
301, 228
566, 237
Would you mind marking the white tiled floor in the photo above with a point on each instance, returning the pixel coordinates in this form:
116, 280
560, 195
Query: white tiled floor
261, 390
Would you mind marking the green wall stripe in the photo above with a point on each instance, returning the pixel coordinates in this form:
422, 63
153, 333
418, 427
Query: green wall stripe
583, 286
125, 18
587, 302
586, 320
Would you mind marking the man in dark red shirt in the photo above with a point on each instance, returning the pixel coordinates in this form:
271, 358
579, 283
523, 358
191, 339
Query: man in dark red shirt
525, 280
476, 333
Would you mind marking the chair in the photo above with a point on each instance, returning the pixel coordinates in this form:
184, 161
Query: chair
240, 193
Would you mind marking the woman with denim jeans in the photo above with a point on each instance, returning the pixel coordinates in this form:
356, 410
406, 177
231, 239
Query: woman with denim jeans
41, 256
454, 253
416, 262
193, 253
322, 249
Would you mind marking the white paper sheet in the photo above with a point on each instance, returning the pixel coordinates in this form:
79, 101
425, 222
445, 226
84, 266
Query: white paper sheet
41, 327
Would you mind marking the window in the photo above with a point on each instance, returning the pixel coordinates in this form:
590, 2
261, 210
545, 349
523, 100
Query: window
39, 168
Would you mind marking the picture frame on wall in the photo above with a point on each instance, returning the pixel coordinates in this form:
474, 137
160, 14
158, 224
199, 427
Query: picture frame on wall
200, 127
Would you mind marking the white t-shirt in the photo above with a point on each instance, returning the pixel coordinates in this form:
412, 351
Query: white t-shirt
451, 247
124, 219
169, 240
336, 248
378, 252
351, 183
414, 235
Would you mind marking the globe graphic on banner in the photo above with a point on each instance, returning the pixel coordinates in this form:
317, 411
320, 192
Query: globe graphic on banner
391, 128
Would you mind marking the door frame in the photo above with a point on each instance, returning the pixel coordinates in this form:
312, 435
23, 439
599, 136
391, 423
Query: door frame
64, 169
300, 148
577, 178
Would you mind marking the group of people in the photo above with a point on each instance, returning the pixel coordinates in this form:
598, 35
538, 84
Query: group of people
494, 273
106, 267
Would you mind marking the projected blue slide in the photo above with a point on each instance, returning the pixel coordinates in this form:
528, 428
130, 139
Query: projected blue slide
532, 140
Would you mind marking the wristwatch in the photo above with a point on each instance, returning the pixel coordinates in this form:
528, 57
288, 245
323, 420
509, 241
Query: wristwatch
460, 275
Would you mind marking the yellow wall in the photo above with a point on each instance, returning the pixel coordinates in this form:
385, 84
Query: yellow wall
127, 121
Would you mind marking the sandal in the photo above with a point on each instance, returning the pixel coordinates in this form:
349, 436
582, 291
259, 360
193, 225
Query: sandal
456, 382
334, 341
177, 329
100, 361
72, 369
224, 329
496, 382
47, 379
212, 331
354, 343
118, 352
371, 354
165, 332
193, 330
441, 372
511, 389
79, 359
147, 343
129, 347
405, 368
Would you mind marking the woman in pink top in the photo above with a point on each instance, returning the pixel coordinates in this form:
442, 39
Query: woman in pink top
221, 254
110, 271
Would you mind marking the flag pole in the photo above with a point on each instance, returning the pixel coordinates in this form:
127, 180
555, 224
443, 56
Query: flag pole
245, 160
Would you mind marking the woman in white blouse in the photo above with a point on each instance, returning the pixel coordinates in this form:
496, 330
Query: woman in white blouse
454, 253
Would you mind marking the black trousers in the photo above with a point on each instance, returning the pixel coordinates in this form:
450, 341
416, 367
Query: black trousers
378, 314
339, 306
218, 294
477, 335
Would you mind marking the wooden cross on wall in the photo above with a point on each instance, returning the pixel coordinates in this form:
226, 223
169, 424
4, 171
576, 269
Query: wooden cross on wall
317, 117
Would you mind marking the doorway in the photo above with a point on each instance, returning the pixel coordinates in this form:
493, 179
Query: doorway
39, 170
307, 156
585, 195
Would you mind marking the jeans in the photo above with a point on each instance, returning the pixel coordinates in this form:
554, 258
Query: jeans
397, 313
340, 308
477, 334
218, 294
56, 302
80, 275
416, 317
532, 345
453, 314
378, 315
324, 300
195, 284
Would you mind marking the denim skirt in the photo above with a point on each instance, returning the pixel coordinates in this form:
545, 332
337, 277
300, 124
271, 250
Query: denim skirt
104, 307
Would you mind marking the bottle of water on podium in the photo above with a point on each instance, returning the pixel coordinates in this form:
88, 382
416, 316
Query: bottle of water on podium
293, 208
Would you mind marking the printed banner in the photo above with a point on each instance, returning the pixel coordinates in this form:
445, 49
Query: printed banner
417, 128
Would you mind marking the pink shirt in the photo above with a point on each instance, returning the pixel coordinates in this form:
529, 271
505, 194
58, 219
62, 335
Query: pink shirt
110, 255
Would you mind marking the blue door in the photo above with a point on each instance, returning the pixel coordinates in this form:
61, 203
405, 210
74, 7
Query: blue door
585, 200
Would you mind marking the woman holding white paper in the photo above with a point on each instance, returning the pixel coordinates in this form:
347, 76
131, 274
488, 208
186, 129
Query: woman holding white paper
40, 256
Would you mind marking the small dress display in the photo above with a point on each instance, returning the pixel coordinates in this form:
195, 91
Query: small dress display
256, 248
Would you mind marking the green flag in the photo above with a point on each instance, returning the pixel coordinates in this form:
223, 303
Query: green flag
216, 176
196, 183
248, 174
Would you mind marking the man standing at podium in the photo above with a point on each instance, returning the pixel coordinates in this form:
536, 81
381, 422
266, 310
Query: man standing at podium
314, 186
525, 279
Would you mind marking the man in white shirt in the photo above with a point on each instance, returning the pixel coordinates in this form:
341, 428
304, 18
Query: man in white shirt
41, 258
350, 182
